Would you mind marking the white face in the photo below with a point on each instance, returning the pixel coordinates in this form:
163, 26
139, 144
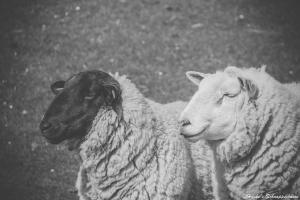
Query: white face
213, 111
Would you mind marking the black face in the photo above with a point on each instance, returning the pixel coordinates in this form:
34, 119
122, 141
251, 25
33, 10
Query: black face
77, 102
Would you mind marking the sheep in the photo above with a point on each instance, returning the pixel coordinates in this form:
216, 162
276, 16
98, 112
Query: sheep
127, 150
252, 124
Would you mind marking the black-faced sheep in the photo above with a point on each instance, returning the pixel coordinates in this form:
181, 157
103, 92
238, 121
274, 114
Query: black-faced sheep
252, 123
128, 150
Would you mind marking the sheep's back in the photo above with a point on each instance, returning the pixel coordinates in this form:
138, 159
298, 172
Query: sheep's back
199, 154
169, 111
294, 88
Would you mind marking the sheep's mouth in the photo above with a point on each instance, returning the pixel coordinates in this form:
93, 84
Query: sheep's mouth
67, 137
70, 143
55, 140
55, 135
195, 137
58, 138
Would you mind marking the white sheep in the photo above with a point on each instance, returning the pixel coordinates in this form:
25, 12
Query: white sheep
252, 123
130, 147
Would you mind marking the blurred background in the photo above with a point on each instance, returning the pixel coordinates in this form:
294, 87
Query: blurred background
152, 41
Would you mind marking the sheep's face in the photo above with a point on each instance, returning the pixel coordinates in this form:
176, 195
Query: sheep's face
77, 102
213, 111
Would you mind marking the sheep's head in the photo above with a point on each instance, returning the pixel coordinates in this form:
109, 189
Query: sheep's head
214, 110
76, 103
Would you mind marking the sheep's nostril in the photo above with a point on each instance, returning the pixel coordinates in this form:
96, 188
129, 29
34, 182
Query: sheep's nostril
184, 122
45, 126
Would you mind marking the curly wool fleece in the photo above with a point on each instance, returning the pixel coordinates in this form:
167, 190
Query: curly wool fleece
140, 156
263, 158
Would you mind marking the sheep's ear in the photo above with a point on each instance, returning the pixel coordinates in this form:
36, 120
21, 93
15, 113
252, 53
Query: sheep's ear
250, 87
195, 77
114, 97
113, 91
263, 68
57, 87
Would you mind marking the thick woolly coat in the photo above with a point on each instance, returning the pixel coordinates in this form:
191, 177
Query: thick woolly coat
263, 156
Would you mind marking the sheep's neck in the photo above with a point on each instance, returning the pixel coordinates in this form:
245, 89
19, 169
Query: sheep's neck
128, 153
274, 153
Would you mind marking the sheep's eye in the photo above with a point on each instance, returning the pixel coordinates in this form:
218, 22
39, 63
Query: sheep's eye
220, 100
229, 95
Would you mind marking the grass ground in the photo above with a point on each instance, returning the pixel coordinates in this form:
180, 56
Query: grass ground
152, 41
